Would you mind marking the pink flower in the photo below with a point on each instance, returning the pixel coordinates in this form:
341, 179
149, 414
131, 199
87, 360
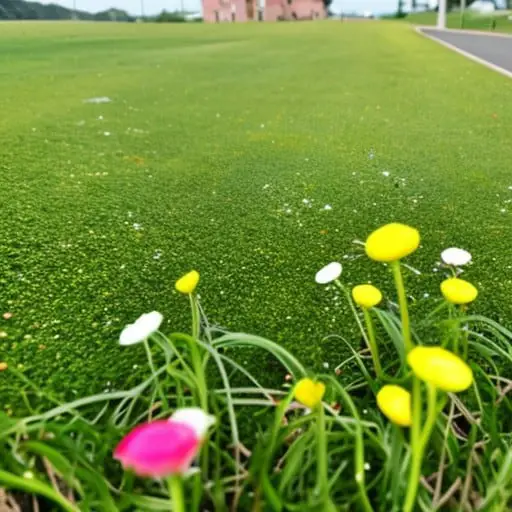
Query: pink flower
158, 449
165, 447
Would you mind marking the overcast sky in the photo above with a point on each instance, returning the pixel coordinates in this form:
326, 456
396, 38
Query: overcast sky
154, 6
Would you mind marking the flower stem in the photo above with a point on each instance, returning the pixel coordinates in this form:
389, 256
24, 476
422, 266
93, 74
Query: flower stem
374, 349
322, 480
419, 439
195, 316
176, 493
402, 300
416, 413
196, 356
165, 404
199, 371
359, 447
397, 442
431, 416
346, 291
264, 485
465, 336
455, 327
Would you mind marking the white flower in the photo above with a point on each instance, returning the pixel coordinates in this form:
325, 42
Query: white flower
329, 273
141, 329
327, 207
195, 418
385, 173
456, 257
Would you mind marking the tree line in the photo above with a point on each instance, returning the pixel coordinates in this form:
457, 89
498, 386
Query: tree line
21, 10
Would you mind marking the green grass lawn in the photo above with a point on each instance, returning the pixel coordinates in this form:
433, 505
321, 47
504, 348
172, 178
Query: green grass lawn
214, 138
470, 21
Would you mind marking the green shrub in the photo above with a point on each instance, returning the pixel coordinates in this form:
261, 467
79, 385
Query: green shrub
170, 17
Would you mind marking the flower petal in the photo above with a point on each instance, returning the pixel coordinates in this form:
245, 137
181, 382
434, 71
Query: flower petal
441, 368
187, 284
366, 295
395, 403
392, 242
158, 449
195, 418
309, 393
458, 291
329, 273
141, 329
456, 257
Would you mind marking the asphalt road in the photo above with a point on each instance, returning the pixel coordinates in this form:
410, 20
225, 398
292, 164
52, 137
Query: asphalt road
494, 49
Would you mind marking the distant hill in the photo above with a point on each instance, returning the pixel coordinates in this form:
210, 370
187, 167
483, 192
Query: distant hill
21, 10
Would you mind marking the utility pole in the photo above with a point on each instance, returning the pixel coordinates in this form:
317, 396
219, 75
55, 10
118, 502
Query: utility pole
462, 12
441, 15
142, 8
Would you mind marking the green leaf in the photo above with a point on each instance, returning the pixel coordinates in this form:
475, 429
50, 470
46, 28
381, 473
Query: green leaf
62, 465
246, 340
34, 486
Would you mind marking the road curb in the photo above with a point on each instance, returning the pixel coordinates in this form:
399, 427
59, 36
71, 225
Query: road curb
464, 31
466, 54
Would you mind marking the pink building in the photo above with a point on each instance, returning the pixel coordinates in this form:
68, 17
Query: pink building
216, 11
276, 10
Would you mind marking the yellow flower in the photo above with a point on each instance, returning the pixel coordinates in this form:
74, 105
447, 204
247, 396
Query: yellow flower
366, 295
441, 368
187, 284
392, 242
395, 403
458, 291
309, 393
